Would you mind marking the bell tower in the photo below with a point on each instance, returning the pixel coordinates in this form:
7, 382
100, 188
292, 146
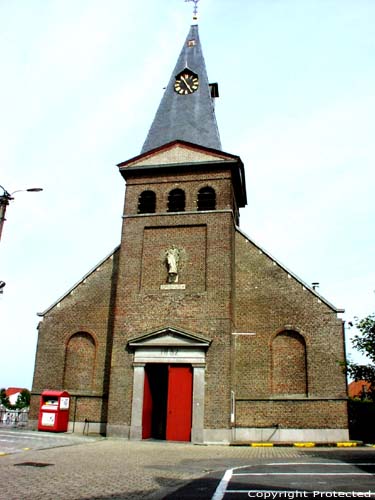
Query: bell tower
176, 271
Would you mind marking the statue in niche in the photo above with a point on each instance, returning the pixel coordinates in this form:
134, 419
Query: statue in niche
172, 257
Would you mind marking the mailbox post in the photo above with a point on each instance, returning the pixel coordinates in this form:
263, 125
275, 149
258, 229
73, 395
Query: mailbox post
54, 411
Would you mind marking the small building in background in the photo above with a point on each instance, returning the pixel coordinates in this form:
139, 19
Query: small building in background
13, 393
359, 389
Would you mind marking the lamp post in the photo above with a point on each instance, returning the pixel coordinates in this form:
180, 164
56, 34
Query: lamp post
6, 197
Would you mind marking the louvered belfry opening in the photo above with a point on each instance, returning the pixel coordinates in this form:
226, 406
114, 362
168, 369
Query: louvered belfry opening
147, 202
206, 199
176, 200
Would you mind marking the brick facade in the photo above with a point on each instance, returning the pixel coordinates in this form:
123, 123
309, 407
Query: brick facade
75, 343
206, 269
274, 343
287, 371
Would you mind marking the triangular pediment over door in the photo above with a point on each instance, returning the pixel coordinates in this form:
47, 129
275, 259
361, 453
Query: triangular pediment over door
169, 345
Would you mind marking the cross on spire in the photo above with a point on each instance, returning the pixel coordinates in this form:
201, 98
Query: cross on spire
195, 11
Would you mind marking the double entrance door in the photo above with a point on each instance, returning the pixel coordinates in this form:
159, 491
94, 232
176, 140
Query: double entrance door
167, 402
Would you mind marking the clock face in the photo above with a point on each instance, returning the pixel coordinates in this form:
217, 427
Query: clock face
186, 83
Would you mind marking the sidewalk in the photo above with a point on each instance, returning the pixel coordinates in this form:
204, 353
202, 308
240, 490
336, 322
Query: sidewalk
120, 469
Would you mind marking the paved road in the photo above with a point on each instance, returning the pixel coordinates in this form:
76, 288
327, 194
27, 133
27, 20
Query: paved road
71, 467
13, 440
305, 478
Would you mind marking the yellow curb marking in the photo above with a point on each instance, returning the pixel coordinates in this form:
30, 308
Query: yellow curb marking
25, 449
304, 445
346, 444
259, 445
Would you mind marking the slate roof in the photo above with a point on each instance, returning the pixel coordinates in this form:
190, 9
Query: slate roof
189, 117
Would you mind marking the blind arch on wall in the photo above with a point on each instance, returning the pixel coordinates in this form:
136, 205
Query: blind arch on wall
147, 202
80, 357
289, 365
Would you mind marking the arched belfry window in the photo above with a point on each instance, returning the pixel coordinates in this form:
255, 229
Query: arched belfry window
289, 366
147, 202
176, 200
206, 198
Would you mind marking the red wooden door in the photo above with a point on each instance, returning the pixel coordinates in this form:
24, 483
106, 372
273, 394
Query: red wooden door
147, 409
179, 407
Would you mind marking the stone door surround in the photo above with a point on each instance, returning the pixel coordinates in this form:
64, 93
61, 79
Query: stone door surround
169, 345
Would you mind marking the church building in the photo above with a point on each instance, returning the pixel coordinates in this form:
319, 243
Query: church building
188, 330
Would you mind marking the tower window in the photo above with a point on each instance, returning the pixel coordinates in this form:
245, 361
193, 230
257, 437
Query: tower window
206, 199
147, 202
176, 200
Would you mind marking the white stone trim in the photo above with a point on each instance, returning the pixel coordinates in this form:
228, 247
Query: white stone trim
274, 435
169, 349
137, 403
170, 354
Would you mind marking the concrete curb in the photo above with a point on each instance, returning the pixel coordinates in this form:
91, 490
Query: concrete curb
303, 444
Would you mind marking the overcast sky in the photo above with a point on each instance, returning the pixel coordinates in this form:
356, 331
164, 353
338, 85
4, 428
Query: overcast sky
80, 84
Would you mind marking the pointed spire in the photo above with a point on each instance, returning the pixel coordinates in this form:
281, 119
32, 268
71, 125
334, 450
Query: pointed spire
186, 111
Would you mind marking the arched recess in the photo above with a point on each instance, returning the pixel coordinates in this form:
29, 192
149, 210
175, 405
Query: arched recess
80, 357
147, 202
176, 200
206, 199
289, 365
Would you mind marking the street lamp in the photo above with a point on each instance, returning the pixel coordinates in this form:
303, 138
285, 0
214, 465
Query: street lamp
6, 197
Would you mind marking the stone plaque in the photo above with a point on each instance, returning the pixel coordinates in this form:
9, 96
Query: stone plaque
172, 286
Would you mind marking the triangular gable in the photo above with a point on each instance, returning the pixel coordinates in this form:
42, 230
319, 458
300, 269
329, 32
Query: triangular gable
169, 337
290, 273
178, 152
76, 285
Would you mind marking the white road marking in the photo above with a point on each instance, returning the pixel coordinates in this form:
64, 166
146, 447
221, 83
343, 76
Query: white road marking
222, 488
223, 485
304, 474
334, 464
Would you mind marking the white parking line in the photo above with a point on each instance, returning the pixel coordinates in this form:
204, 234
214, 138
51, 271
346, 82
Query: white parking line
223, 485
222, 488
304, 474
334, 464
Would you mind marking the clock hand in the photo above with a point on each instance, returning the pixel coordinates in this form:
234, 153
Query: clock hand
186, 83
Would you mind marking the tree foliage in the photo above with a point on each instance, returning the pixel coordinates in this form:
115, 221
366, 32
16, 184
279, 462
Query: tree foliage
4, 400
23, 400
364, 342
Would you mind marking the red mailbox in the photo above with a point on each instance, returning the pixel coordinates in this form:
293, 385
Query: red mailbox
54, 411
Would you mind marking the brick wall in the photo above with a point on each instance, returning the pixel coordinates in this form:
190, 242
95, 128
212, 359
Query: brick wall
292, 414
284, 370
203, 307
75, 341
269, 301
190, 181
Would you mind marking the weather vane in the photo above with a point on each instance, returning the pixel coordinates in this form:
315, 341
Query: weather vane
195, 11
